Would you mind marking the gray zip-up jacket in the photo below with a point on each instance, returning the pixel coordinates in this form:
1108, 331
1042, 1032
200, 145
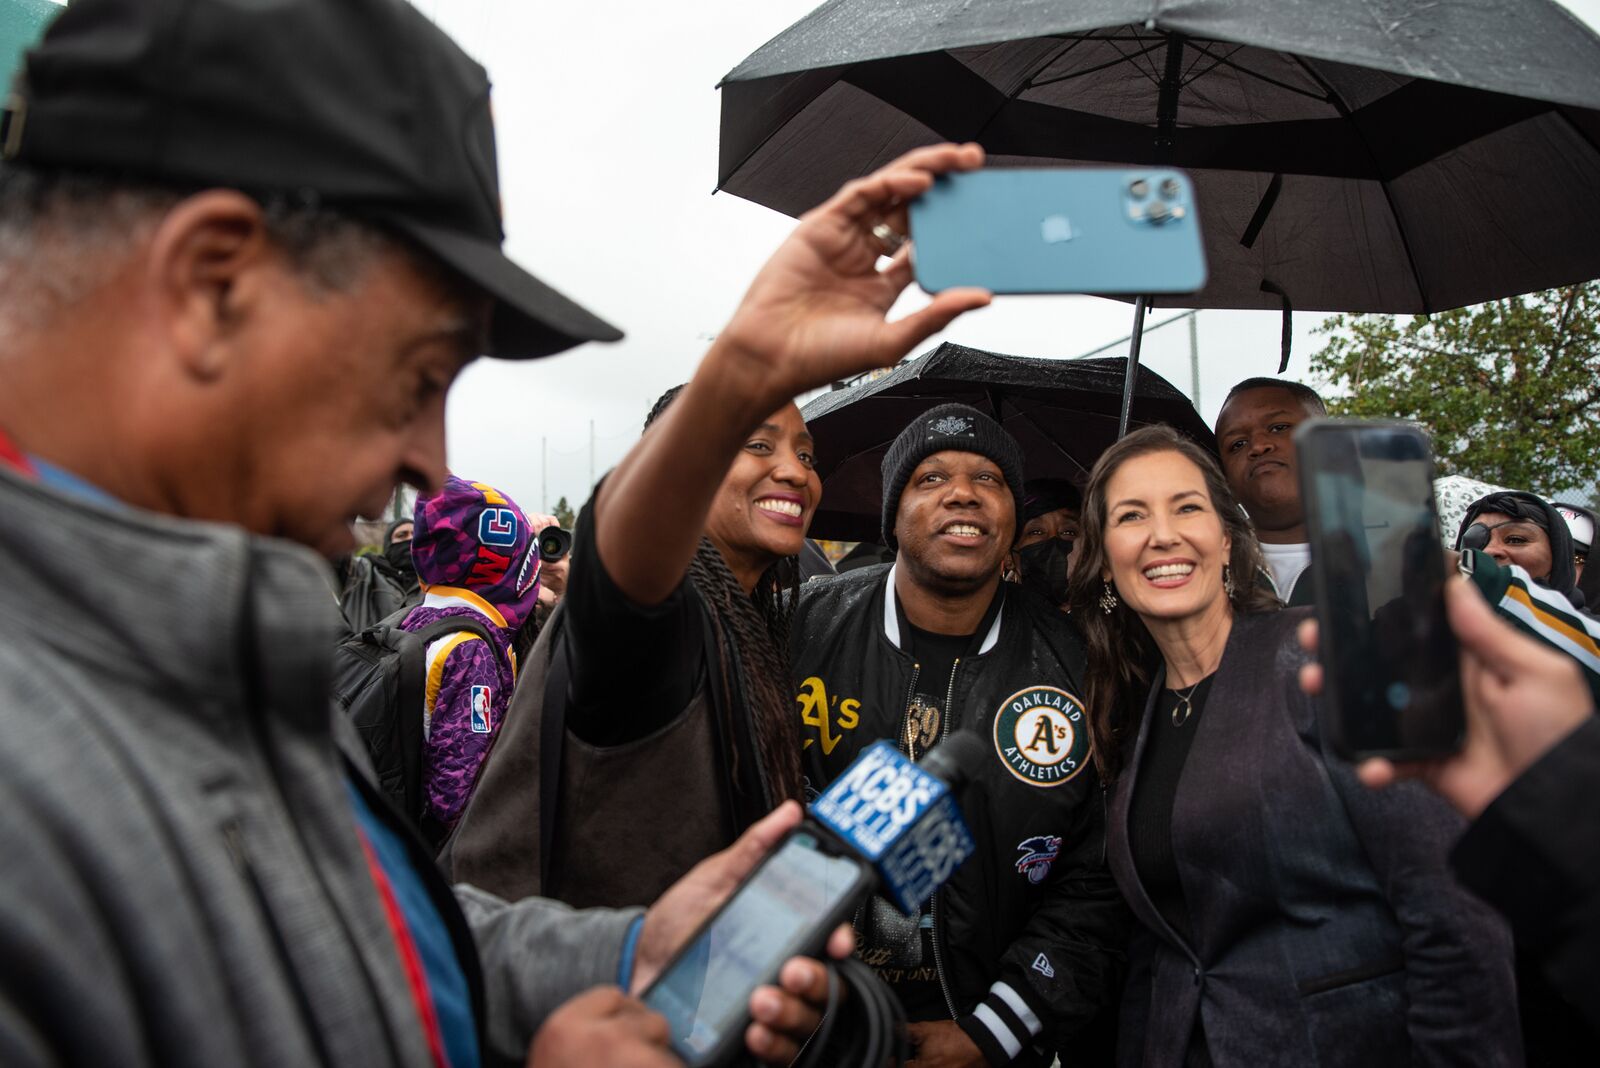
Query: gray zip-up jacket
182, 880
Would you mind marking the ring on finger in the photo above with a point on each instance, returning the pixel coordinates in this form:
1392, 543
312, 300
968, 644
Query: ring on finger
889, 239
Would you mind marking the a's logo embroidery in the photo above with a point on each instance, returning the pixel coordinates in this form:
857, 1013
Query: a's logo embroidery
497, 526
818, 711
481, 721
1042, 965
1042, 736
953, 426
1038, 853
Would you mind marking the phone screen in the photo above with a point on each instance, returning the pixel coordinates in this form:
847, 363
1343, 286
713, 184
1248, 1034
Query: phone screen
1390, 660
780, 911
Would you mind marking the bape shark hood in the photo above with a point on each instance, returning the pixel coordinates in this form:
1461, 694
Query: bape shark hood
471, 537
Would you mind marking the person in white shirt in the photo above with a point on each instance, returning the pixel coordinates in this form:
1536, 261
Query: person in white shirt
1255, 438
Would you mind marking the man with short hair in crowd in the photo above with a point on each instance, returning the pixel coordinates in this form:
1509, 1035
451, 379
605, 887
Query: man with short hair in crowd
234, 291
1013, 960
1255, 438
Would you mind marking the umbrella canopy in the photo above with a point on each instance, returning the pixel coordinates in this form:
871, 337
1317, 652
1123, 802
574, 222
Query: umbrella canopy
1349, 155
1062, 412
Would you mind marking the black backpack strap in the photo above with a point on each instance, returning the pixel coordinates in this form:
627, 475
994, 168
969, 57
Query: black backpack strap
552, 738
439, 628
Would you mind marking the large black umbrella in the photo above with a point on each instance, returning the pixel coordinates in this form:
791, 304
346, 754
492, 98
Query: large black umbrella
1062, 412
1349, 155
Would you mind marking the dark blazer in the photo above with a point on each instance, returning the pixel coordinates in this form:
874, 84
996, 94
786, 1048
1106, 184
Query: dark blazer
1327, 927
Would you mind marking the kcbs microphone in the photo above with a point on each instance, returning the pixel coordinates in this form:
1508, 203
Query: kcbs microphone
886, 824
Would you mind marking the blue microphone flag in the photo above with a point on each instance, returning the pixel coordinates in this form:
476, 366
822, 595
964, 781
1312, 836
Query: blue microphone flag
901, 819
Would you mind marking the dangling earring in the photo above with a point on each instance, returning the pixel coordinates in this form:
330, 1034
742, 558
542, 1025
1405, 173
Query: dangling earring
1108, 599
1227, 581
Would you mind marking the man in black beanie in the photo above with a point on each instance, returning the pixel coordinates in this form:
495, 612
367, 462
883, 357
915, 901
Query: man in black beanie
1013, 959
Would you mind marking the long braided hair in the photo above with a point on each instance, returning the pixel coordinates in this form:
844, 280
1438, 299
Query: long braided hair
752, 654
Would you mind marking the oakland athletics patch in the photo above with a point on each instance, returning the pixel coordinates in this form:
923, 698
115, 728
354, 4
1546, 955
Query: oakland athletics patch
1042, 735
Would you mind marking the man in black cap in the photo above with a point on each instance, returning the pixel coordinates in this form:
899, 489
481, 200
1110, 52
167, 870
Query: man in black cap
244, 250
1014, 958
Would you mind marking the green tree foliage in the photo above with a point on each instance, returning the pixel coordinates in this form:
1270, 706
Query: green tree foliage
564, 514
1509, 389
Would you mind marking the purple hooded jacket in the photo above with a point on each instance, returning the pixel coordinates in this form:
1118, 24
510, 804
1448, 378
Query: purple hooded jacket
475, 556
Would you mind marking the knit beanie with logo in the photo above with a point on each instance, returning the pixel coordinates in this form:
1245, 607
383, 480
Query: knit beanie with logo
954, 428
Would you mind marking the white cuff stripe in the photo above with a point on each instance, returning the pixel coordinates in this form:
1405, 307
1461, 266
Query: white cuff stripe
1018, 1006
1002, 1034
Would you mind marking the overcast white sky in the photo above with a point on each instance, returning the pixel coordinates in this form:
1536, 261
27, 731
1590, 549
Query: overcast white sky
607, 119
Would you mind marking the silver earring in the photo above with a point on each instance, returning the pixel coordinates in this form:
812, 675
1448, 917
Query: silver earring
1108, 599
1227, 581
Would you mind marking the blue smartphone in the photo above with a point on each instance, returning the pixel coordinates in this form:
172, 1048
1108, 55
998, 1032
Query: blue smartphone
1059, 230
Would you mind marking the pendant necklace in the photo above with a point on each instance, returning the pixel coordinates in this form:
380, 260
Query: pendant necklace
1185, 705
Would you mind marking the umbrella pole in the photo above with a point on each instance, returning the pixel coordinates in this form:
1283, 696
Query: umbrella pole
1131, 375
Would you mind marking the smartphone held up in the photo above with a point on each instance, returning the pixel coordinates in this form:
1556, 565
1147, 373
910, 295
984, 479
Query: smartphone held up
1392, 681
1134, 232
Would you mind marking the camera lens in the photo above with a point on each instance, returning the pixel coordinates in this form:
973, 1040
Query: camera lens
1157, 212
1169, 189
554, 543
1138, 188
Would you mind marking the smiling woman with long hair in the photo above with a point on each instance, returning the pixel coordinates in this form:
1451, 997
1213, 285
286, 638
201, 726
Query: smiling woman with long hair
674, 729
1288, 916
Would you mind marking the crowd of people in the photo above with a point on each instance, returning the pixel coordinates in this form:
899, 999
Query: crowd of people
233, 295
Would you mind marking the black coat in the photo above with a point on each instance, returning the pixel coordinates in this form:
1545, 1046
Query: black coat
1327, 929
1534, 854
1031, 930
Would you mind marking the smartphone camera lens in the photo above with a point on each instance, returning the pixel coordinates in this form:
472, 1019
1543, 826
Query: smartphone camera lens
1169, 189
1138, 188
1158, 212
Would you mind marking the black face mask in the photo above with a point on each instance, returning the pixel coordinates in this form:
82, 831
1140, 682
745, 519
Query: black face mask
398, 553
1044, 568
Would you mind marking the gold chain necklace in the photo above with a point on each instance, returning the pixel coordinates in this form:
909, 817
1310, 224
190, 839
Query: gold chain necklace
1185, 705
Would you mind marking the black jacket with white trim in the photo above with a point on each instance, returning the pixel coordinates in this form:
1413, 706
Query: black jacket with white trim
1029, 935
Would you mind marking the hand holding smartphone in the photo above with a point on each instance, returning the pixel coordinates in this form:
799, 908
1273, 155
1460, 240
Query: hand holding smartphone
1391, 669
787, 907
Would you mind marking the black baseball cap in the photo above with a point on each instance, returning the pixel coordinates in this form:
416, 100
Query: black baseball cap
363, 106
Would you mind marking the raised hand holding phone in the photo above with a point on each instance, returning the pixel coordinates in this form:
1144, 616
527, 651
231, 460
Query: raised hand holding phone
1392, 684
1521, 697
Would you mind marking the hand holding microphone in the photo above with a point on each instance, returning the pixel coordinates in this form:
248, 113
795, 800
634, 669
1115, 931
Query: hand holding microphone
885, 822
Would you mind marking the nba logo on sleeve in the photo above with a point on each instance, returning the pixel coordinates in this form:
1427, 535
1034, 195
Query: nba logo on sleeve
481, 723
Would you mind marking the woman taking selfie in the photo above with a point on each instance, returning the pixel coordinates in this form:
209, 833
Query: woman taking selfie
655, 720
1287, 916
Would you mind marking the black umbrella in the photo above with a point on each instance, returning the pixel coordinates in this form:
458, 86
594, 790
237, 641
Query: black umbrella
1359, 155
1348, 155
1062, 412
